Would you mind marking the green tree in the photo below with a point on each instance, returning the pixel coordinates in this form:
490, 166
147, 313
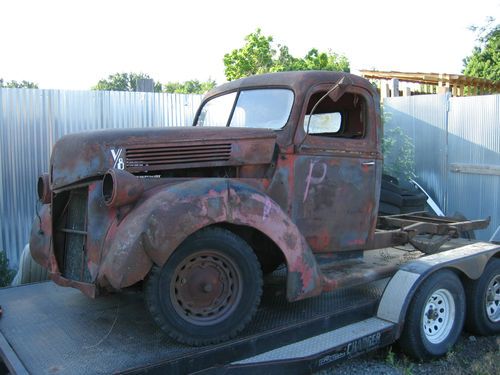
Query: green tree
18, 85
260, 55
6, 274
484, 62
189, 87
123, 82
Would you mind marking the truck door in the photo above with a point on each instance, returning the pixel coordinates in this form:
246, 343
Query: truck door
337, 170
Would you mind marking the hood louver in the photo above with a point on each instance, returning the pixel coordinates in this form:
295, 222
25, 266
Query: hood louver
158, 157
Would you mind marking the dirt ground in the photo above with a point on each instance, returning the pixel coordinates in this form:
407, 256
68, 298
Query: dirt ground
471, 355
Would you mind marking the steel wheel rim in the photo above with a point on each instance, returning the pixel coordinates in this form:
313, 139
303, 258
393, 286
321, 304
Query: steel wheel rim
438, 316
492, 300
206, 287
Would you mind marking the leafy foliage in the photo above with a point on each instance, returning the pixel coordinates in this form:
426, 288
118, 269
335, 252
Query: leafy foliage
260, 55
484, 62
189, 87
398, 150
6, 274
123, 82
128, 82
18, 85
399, 154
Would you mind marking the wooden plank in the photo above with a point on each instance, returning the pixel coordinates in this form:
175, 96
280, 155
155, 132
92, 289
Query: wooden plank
482, 169
439, 79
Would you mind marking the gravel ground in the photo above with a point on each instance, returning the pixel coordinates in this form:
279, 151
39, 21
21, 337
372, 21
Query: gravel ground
471, 355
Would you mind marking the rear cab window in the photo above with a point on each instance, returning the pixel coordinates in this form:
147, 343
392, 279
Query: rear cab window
345, 118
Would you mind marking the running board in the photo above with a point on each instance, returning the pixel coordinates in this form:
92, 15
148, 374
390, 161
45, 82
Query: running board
319, 352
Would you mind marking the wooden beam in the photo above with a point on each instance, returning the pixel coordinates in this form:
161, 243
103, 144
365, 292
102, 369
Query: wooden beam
431, 78
482, 169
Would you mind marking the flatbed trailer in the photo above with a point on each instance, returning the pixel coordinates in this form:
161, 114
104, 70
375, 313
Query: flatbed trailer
47, 329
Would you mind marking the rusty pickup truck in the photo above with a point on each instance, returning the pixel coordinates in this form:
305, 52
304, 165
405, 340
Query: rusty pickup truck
279, 170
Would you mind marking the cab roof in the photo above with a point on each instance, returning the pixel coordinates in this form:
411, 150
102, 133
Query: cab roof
297, 81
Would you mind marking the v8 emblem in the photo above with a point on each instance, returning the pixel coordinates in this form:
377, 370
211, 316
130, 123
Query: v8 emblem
117, 158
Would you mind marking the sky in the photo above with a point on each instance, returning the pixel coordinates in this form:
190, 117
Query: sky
71, 44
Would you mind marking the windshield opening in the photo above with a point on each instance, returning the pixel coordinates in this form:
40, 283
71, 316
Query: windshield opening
260, 108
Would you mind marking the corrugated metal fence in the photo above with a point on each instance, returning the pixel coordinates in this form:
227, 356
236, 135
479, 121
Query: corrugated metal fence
457, 151
32, 120
457, 143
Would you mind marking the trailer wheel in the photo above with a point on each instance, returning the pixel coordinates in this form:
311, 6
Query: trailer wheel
483, 301
435, 316
208, 290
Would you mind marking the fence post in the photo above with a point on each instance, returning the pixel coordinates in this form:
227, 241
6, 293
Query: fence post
394, 87
384, 89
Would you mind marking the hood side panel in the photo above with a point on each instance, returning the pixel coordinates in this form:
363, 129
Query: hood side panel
82, 156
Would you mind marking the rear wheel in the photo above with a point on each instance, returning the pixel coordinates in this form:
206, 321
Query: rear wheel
483, 301
208, 290
435, 316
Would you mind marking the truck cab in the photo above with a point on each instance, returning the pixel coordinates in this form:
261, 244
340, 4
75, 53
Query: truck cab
328, 161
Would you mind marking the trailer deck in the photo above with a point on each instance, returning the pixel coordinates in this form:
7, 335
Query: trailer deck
49, 329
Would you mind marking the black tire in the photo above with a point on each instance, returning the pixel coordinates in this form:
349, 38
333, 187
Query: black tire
405, 196
208, 290
390, 184
483, 301
391, 197
435, 316
409, 209
388, 209
414, 200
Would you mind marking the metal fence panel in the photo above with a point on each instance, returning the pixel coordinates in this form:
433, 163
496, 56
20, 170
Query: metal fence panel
31, 121
424, 119
457, 151
474, 143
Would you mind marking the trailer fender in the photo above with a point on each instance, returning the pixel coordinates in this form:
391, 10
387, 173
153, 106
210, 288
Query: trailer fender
469, 260
158, 225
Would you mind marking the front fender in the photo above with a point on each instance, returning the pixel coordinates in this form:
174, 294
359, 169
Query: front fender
40, 238
156, 227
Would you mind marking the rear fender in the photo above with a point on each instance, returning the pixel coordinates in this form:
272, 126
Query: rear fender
469, 260
156, 227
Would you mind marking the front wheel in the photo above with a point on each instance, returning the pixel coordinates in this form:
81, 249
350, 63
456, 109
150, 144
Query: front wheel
208, 290
483, 301
435, 316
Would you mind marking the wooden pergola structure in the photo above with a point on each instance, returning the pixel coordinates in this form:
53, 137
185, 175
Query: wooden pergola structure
456, 84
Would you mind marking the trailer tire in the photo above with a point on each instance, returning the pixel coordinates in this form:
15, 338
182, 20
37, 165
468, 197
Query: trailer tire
435, 316
208, 290
483, 301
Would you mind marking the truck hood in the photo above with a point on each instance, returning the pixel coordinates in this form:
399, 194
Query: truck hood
82, 156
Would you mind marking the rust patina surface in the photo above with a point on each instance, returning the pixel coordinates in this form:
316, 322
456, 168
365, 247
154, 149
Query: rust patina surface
300, 194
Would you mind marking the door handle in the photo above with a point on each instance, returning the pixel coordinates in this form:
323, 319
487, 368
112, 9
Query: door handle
368, 163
